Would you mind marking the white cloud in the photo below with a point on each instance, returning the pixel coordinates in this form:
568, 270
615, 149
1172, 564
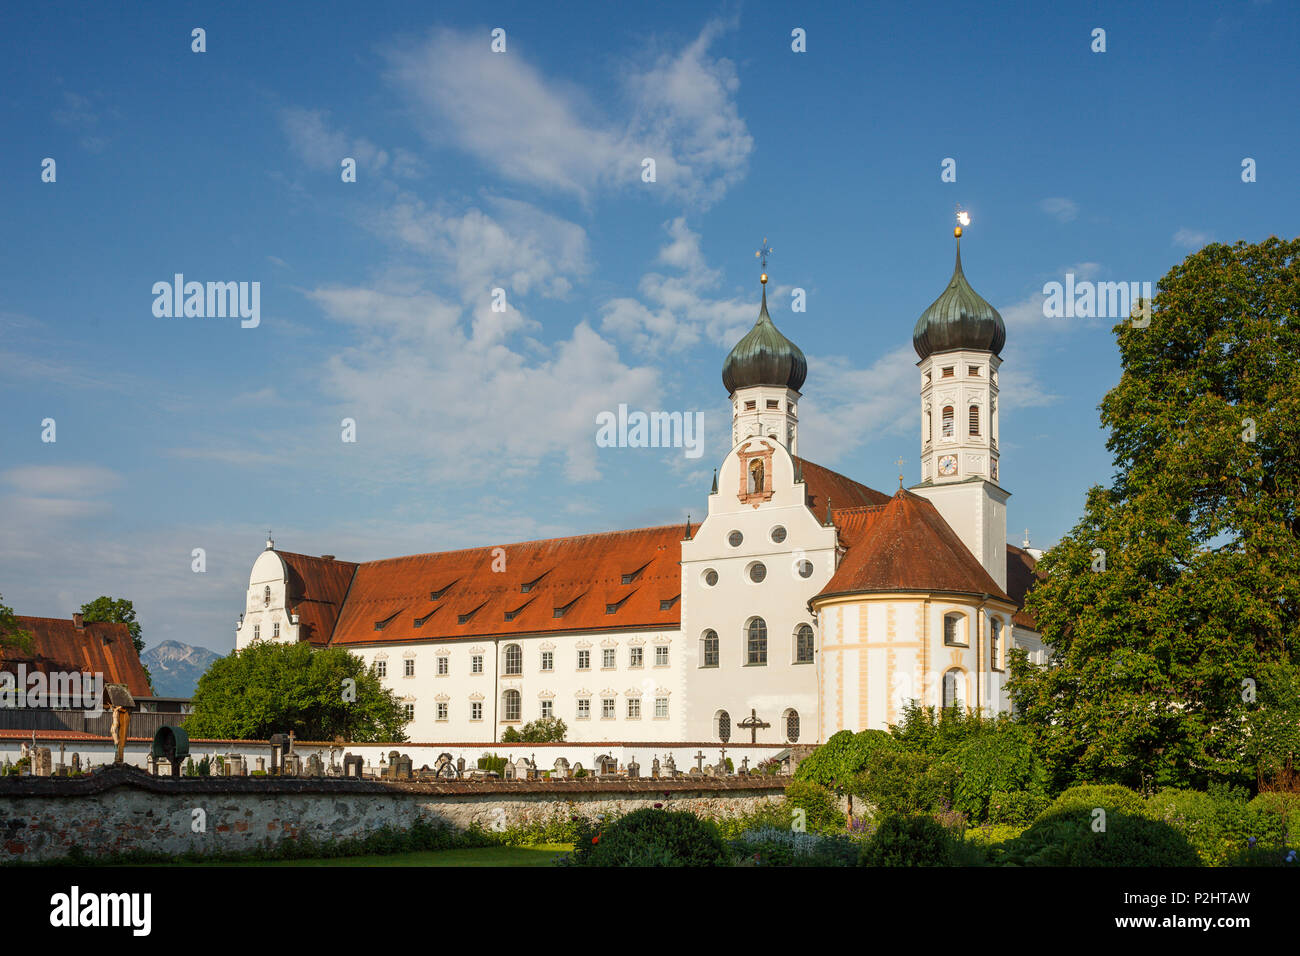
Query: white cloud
1060, 208
61, 480
680, 110
323, 147
853, 406
1191, 238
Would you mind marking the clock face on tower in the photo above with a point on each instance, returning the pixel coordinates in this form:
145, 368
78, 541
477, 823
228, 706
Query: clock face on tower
947, 464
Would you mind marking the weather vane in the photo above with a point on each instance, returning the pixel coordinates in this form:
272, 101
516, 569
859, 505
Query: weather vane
762, 255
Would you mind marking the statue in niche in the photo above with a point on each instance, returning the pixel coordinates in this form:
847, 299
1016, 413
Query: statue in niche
756, 476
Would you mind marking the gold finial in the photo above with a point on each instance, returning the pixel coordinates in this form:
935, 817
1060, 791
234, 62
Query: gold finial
963, 218
762, 254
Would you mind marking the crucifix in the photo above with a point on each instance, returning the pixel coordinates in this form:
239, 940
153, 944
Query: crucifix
1026, 544
899, 463
699, 760
764, 251
753, 725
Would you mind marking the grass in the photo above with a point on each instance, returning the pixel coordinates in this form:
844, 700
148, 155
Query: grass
543, 854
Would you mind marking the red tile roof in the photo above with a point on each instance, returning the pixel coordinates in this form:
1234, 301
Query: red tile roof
97, 648
584, 573
822, 483
317, 588
1022, 575
907, 546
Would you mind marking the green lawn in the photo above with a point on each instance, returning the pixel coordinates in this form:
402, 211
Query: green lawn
543, 854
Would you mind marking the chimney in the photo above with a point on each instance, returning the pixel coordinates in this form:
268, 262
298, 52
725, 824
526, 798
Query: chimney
76, 621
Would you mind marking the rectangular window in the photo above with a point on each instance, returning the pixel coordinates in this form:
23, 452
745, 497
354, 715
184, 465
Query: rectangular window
750, 406
634, 708
409, 711
584, 660
974, 370
275, 629
773, 403
947, 373
442, 710
381, 668
257, 631
584, 709
637, 656
952, 630
409, 667
548, 660
607, 658
476, 710
661, 706
975, 420
607, 708
548, 708
661, 656
476, 664
442, 666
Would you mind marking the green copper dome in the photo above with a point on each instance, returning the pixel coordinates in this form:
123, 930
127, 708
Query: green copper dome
764, 357
959, 319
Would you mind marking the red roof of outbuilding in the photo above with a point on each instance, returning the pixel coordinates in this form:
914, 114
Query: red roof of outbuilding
907, 546
96, 648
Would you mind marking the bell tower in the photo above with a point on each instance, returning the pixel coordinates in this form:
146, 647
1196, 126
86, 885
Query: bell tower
958, 339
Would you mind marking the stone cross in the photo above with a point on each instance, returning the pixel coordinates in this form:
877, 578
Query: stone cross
699, 761
753, 724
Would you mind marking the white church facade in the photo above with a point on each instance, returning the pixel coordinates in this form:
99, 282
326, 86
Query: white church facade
803, 604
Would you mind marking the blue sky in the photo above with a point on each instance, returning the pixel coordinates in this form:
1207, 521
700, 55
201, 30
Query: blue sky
522, 170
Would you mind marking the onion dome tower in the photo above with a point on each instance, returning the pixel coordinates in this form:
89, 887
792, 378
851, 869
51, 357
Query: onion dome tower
763, 374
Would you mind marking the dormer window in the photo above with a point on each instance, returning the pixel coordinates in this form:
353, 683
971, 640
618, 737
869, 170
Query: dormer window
464, 618
419, 621
561, 611
613, 608
529, 585
380, 625
511, 615
667, 603
437, 595
632, 576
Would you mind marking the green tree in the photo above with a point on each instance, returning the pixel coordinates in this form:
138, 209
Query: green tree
118, 611
11, 633
1173, 606
271, 687
544, 730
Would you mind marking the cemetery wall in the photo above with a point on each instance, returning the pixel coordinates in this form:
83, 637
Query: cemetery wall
124, 809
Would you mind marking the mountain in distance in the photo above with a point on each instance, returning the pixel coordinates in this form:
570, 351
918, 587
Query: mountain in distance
176, 667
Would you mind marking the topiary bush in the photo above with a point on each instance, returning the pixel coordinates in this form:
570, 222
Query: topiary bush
1216, 824
909, 841
649, 837
820, 806
844, 755
1111, 797
1067, 838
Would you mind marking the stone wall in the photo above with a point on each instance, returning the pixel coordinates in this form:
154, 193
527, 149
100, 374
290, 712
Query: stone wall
123, 809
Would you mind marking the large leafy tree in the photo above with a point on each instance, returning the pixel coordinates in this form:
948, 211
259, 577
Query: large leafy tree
1174, 604
271, 687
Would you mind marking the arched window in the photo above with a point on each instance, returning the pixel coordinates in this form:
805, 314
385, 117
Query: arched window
975, 420
803, 644
756, 641
954, 629
995, 642
722, 725
929, 427
266, 595
510, 705
792, 726
952, 690
514, 659
947, 421
709, 649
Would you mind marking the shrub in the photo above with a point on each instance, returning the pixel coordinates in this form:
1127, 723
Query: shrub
773, 846
904, 782
492, 762
1003, 759
820, 806
649, 837
1016, 808
1216, 824
1274, 819
1067, 838
936, 730
908, 841
835, 763
1111, 797
775, 816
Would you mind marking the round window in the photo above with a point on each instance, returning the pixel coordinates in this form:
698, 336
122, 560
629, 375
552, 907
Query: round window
757, 572
805, 568
735, 538
778, 534
710, 578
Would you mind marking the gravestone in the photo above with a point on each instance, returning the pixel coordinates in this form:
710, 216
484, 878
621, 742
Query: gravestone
76, 763
460, 766
315, 766
606, 766
744, 766
670, 766
280, 748
633, 769
561, 770
42, 764
399, 766
577, 768
261, 764
654, 768
291, 765
352, 765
